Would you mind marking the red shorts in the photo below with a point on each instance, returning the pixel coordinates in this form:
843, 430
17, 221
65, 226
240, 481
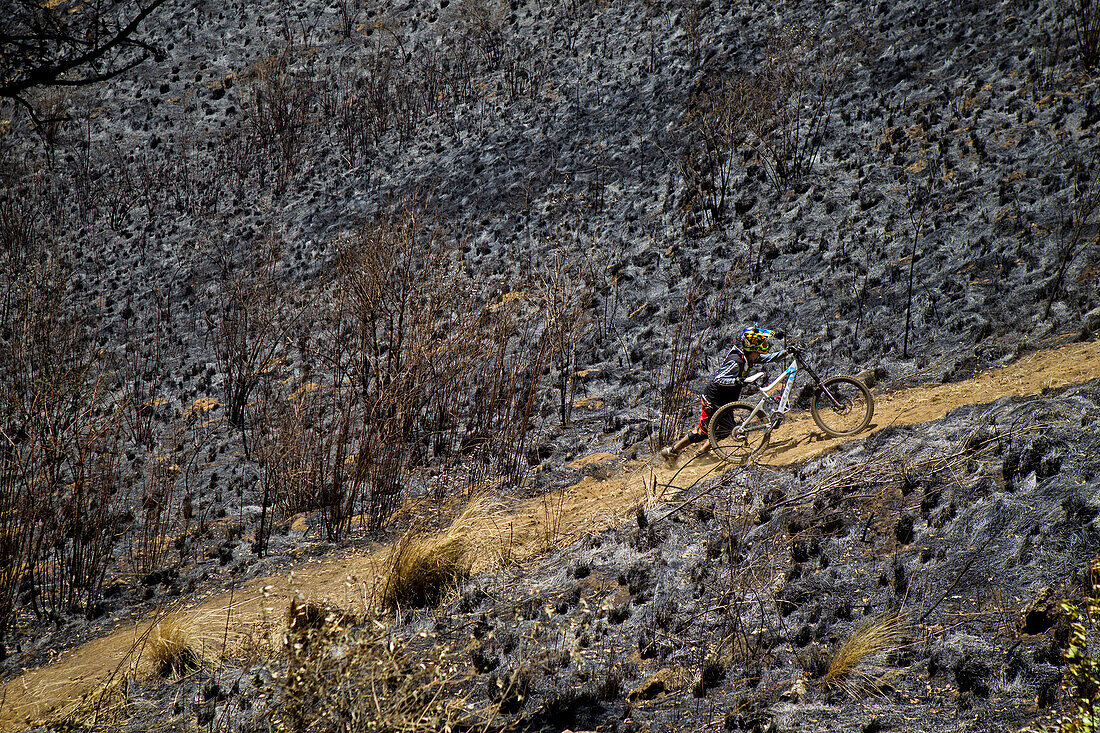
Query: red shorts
704, 418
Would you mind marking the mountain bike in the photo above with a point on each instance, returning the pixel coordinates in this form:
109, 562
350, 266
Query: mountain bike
840, 405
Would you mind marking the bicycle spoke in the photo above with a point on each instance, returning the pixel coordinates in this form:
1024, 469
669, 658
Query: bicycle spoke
737, 432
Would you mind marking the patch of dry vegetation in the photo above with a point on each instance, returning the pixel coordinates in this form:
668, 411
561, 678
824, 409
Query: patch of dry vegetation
423, 565
366, 678
853, 667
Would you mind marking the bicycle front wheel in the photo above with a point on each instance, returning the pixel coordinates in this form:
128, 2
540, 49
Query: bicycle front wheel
842, 406
735, 434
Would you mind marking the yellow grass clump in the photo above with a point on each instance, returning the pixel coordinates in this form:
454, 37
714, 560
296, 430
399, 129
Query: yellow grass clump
422, 566
170, 650
853, 667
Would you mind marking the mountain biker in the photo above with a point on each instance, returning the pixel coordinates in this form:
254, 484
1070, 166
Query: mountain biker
752, 346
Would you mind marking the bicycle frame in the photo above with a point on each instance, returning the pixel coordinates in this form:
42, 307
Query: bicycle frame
833, 403
765, 403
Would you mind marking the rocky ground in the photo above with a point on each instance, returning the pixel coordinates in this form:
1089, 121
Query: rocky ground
930, 216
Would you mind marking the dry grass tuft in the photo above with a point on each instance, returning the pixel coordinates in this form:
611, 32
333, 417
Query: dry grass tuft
170, 650
852, 667
422, 567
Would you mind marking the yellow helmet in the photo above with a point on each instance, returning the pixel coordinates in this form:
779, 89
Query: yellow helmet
756, 339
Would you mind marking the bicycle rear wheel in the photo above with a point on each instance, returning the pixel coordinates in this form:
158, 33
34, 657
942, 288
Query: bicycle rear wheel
846, 409
734, 435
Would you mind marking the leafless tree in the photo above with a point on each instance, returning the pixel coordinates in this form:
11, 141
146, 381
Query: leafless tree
70, 43
249, 320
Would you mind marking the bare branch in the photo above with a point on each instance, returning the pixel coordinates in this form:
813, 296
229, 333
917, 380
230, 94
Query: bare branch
52, 44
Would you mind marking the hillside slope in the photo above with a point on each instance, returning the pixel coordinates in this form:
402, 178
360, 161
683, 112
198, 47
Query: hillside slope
325, 271
936, 438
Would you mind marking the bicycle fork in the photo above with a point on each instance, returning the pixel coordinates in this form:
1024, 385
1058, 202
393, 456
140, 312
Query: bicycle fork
837, 405
824, 390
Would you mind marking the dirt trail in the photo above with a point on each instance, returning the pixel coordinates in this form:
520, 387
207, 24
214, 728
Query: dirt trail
249, 619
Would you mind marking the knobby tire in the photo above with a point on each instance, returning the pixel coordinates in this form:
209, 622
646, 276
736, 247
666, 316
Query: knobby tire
856, 409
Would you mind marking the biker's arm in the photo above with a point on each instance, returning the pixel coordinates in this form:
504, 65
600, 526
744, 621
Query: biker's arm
732, 370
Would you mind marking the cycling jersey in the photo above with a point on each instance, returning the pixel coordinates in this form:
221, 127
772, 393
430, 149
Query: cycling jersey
725, 386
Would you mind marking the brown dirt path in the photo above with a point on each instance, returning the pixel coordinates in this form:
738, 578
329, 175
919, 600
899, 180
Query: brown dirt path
249, 620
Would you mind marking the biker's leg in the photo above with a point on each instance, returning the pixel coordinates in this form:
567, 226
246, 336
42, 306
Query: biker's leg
670, 454
699, 434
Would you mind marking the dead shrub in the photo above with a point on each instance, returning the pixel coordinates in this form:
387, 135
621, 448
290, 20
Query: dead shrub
676, 395
695, 320
481, 23
566, 298
799, 85
50, 113
716, 119
1084, 18
280, 100
781, 112
159, 497
22, 220
305, 439
60, 438
249, 319
401, 368
164, 494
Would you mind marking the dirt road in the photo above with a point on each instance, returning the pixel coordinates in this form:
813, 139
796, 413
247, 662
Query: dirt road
249, 620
